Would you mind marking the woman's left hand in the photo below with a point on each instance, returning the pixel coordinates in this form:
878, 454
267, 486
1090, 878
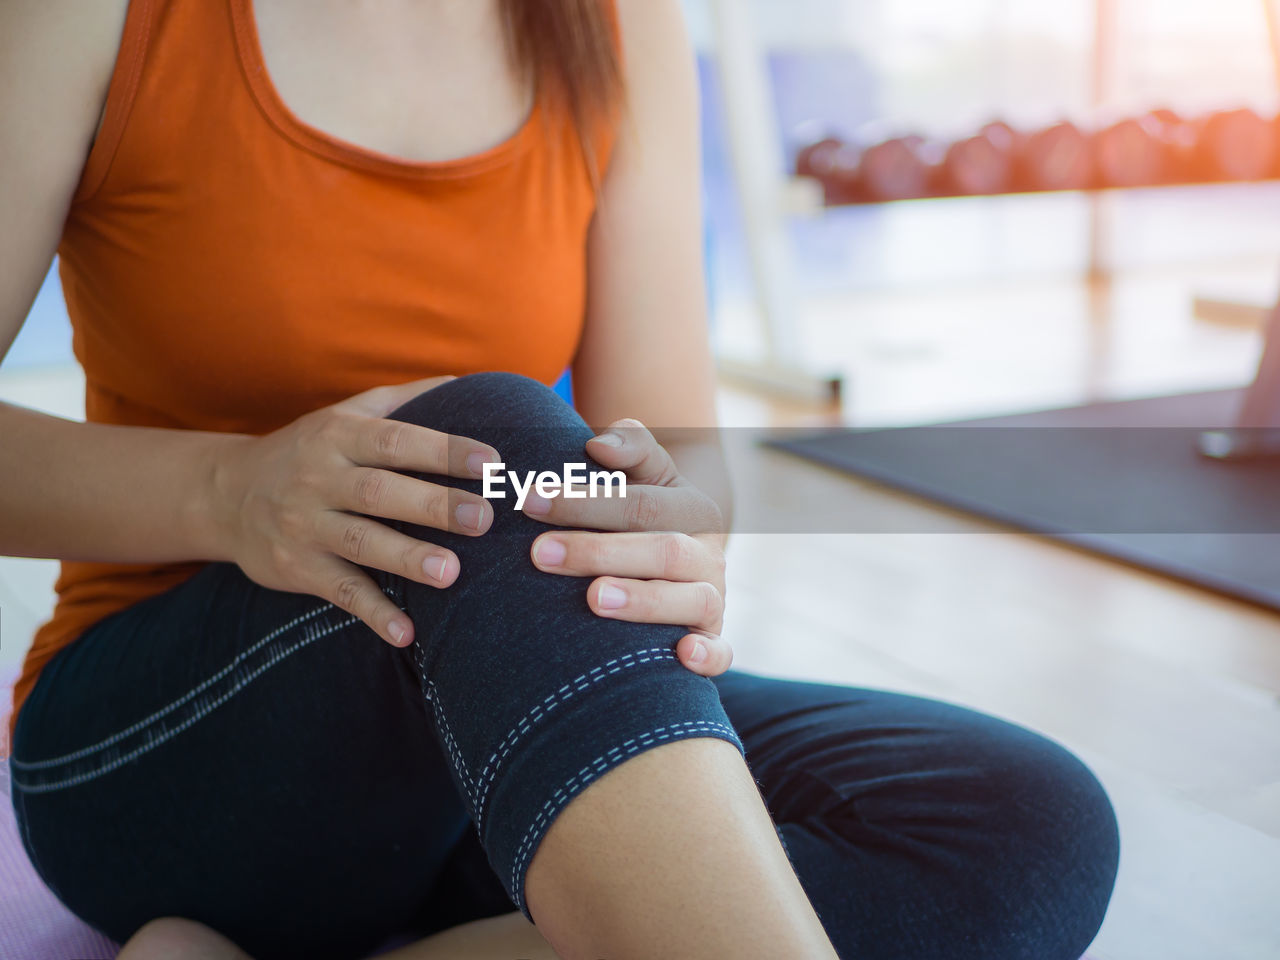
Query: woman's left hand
648, 569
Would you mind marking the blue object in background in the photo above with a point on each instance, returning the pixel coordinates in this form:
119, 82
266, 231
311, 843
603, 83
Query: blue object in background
564, 387
45, 336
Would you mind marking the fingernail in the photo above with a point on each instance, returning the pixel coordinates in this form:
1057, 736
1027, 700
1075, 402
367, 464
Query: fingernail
536, 505
476, 462
549, 552
699, 652
470, 515
397, 631
435, 567
609, 439
611, 597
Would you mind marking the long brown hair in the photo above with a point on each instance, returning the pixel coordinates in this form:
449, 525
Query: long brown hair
567, 48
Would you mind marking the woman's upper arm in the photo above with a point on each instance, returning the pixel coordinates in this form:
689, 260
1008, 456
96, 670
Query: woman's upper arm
56, 59
645, 350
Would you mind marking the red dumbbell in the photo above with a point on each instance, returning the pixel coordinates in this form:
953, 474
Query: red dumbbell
840, 181
1132, 153
1059, 157
981, 164
897, 169
1002, 135
1179, 138
815, 160
1234, 145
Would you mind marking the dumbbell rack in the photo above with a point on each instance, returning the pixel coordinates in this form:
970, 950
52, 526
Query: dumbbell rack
806, 199
1155, 149
766, 191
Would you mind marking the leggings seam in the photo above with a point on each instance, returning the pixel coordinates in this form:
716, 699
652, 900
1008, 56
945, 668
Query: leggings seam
159, 714
455, 753
476, 790
202, 711
484, 782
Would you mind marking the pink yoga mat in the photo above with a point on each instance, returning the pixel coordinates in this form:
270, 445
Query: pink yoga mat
33, 924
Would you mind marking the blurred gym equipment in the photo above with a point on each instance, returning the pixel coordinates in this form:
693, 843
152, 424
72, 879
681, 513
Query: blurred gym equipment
843, 181
982, 164
1230, 311
1256, 433
1215, 309
896, 169
1059, 157
817, 159
1155, 149
759, 182
1134, 152
1235, 145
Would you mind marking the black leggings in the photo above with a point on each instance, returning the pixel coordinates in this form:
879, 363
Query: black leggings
261, 762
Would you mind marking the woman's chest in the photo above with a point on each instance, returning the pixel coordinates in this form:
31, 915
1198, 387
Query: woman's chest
422, 80
262, 285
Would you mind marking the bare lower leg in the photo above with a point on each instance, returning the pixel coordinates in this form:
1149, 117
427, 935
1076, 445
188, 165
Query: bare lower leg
172, 938
671, 854
497, 938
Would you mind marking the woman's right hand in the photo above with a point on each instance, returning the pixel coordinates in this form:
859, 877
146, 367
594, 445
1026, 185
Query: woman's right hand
288, 504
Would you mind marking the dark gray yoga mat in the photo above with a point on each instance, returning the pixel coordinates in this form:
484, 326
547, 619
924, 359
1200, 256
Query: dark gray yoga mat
1122, 479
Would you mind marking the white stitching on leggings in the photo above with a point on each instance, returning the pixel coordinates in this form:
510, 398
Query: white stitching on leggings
490, 772
455, 753
477, 789
115, 737
242, 655
309, 637
594, 770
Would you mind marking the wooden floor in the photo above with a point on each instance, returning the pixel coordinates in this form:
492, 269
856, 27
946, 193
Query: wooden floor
1170, 693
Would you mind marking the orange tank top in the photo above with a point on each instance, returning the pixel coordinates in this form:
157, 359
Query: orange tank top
228, 267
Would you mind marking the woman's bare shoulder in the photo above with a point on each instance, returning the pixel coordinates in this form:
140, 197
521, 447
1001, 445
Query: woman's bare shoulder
59, 52
652, 30
56, 61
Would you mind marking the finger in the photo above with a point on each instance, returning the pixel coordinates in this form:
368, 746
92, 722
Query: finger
385, 493
642, 556
371, 544
708, 655
381, 400
351, 589
628, 445
397, 445
640, 507
698, 605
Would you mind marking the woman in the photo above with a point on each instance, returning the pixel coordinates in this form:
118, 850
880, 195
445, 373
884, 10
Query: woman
305, 688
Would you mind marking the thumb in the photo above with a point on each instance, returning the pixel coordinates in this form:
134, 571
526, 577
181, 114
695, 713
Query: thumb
380, 401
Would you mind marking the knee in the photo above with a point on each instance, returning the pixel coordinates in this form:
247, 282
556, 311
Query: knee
530, 426
503, 617
1089, 842
490, 407
1062, 849
173, 938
